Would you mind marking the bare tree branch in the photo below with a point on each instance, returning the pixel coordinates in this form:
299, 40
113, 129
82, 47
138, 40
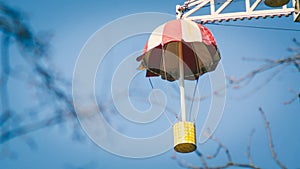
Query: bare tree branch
269, 64
25, 129
33, 50
5, 72
185, 164
204, 163
249, 147
270, 139
296, 96
245, 80
215, 154
228, 164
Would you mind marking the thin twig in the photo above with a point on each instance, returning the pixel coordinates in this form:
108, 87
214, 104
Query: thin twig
202, 159
5, 73
221, 145
25, 129
215, 154
249, 147
185, 164
270, 139
245, 80
297, 96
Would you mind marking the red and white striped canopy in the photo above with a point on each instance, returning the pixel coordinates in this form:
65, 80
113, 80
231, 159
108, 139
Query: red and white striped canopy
160, 55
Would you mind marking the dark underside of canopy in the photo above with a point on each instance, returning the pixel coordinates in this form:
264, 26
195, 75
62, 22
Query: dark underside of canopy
198, 58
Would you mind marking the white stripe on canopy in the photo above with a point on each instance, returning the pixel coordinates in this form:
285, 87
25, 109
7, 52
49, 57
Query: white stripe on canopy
190, 31
155, 38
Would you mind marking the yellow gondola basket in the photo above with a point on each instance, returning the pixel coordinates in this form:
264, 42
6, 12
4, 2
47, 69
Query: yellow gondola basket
184, 137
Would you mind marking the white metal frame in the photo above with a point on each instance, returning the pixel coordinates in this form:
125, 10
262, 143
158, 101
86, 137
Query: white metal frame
192, 6
217, 15
296, 4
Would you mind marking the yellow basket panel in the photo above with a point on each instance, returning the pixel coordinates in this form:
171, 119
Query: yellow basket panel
184, 137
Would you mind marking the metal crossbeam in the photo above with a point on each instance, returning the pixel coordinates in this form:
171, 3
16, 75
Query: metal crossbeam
216, 14
296, 4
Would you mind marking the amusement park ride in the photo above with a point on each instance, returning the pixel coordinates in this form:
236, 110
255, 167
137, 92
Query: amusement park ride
183, 49
279, 8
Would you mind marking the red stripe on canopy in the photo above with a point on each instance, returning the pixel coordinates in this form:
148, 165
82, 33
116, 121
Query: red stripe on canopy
172, 32
207, 36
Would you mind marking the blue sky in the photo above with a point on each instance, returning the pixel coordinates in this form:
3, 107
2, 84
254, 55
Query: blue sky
73, 22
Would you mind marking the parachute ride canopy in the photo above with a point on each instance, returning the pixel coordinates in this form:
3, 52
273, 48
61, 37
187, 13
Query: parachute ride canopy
180, 49
161, 53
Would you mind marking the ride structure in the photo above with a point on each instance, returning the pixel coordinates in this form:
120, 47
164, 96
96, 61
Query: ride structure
183, 49
278, 8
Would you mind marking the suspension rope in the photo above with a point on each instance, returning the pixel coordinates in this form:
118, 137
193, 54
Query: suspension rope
202, 88
151, 84
194, 94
